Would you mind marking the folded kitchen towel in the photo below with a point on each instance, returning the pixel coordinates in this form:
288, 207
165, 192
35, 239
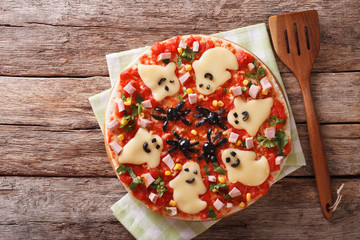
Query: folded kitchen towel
143, 223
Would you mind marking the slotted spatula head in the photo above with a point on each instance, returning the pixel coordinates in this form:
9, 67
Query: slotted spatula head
296, 39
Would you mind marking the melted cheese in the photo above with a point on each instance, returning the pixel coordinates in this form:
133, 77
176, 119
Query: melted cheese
134, 152
211, 69
186, 194
248, 172
151, 75
257, 110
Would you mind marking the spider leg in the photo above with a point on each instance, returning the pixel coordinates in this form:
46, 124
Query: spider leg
221, 111
209, 134
187, 111
171, 142
222, 125
222, 117
217, 136
221, 142
201, 157
193, 150
208, 157
203, 110
179, 106
172, 149
201, 122
185, 121
186, 154
160, 118
176, 135
159, 109
199, 115
194, 144
213, 158
165, 125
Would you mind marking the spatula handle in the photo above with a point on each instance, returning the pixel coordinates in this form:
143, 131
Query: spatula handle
318, 153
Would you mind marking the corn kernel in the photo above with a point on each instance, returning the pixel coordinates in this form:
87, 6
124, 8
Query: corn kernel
138, 177
180, 50
127, 102
172, 203
188, 67
123, 121
248, 197
245, 82
220, 103
242, 205
265, 92
121, 137
189, 91
215, 103
141, 115
221, 179
167, 173
194, 132
238, 143
178, 166
214, 190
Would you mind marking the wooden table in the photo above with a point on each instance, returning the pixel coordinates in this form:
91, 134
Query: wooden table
56, 181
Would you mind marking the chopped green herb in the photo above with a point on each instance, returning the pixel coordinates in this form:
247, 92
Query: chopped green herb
140, 108
168, 210
187, 54
274, 120
206, 168
179, 61
182, 97
123, 96
243, 144
224, 90
264, 141
218, 169
159, 186
166, 61
281, 140
249, 84
211, 213
218, 186
139, 98
261, 72
130, 126
243, 89
227, 196
255, 62
135, 181
249, 75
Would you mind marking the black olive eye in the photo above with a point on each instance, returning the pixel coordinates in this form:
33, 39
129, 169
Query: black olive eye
232, 153
209, 76
236, 115
172, 81
201, 85
186, 169
195, 171
208, 87
153, 140
161, 81
166, 88
236, 122
227, 159
157, 146
246, 115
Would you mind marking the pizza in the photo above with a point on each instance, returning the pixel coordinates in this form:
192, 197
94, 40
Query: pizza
197, 128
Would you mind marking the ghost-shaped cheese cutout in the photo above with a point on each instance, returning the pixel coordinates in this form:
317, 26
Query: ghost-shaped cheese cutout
211, 70
143, 148
242, 167
188, 185
161, 80
250, 115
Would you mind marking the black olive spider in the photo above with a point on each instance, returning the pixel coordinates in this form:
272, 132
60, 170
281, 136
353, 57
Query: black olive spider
182, 144
172, 114
210, 148
212, 118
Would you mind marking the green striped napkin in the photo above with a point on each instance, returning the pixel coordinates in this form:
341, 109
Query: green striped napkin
140, 221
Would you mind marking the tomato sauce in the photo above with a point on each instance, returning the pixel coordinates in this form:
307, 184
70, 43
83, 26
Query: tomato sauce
131, 75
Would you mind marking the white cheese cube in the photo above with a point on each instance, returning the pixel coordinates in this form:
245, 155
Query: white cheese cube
236, 91
265, 84
251, 67
234, 192
212, 178
115, 147
148, 179
270, 132
195, 46
249, 142
279, 160
182, 44
144, 123
254, 90
192, 98
171, 210
120, 105
113, 125
184, 77
169, 161
218, 204
129, 88
163, 56
229, 205
233, 137
153, 197
147, 103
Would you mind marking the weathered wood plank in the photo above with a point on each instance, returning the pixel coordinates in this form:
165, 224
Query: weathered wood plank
40, 152
62, 208
54, 38
61, 103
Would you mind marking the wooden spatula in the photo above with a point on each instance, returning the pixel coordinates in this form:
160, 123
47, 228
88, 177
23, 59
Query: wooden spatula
296, 39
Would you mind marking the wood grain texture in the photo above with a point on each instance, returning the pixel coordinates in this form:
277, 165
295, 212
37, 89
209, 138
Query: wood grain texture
61, 208
57, 38
47, 102
37, 151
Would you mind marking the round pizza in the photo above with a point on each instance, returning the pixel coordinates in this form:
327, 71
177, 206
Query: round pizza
197, 128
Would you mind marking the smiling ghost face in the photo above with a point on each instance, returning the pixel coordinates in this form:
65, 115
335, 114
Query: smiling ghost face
143, 148
188, 185
211, 70
250, 115
242, 167
161, 80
